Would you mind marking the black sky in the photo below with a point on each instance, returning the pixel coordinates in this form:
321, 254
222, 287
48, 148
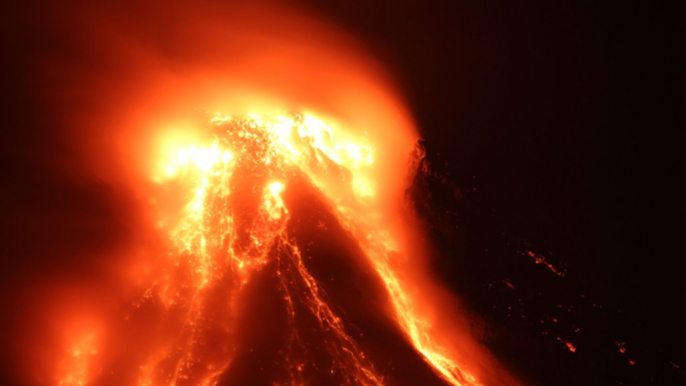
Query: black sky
568, 120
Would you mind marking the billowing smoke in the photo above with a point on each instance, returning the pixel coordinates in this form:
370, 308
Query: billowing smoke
116, 90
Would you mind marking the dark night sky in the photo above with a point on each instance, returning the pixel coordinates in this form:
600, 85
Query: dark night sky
570, 120
570, 117
567, 118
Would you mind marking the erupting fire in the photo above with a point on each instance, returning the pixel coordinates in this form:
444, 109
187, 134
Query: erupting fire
237, 222
288, 255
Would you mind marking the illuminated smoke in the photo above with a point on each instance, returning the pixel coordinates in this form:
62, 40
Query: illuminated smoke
237, 205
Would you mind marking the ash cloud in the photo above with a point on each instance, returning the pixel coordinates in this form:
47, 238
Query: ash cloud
92, 89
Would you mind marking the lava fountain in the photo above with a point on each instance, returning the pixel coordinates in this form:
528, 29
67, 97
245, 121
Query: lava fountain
264, 157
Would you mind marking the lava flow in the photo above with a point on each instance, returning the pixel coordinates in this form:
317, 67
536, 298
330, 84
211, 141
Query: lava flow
270, 249
237, 228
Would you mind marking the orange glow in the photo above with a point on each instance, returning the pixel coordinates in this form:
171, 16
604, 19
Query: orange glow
273, 149
77, 364
277, 147
195, 128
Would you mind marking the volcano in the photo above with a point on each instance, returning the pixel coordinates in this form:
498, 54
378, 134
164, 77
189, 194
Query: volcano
244, 193
270, 280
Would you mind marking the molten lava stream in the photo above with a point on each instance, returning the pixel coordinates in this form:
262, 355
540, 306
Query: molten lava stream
280, 273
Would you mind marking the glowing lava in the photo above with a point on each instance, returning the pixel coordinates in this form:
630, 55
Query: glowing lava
257, 249
235, 223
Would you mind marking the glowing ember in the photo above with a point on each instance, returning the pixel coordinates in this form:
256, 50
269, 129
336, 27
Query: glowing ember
570, 346
540, 259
